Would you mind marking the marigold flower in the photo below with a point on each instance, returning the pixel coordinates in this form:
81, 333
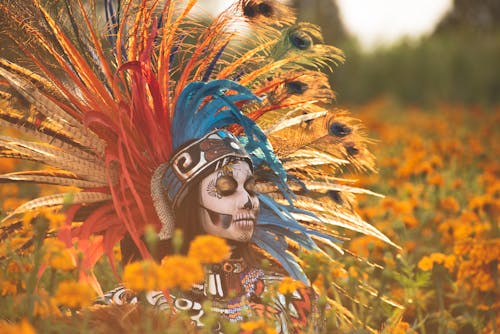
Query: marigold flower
45, 305
438, 257
74, 294
449, 262
7, 287
180, 271
11, 203
435, 179
57, 255
24, 327
449, 204
410, 221
56, 219
18, 267
288, 285
250, 327
402, 328
209, 249
425, 263
142, 276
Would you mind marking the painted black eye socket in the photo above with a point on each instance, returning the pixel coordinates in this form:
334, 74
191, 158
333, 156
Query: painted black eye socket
226, 185
250, 186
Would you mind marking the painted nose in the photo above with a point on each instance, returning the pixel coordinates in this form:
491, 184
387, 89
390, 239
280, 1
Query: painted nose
248, 205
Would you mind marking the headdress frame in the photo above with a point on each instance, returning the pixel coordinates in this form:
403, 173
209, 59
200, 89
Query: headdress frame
171, 181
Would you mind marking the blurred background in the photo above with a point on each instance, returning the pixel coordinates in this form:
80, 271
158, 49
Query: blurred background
415, 52
418, 52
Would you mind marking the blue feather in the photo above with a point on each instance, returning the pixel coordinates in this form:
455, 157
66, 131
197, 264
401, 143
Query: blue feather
187, 112
112, 24
276, 246
213, 62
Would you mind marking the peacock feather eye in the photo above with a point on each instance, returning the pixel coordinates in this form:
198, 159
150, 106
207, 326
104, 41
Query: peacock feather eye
266, 9
351, 148
253, 9
335, 196
296, 87
339, 130
226, 185
301, 40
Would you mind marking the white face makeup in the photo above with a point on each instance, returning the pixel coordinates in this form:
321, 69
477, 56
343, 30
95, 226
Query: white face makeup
229, 202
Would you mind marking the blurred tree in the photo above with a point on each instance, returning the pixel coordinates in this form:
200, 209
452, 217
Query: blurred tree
477, 15
324, 13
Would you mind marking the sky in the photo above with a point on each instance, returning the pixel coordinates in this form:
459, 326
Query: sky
379, 22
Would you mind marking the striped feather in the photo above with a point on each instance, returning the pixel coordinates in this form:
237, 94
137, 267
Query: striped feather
50, 177
59, 199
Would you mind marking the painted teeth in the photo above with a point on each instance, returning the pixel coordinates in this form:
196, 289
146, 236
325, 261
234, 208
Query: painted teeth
245, 225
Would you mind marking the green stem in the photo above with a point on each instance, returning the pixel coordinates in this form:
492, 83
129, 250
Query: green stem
439, 291
40, 229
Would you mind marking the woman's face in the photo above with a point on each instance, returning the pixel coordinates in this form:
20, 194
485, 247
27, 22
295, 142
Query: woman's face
229, 205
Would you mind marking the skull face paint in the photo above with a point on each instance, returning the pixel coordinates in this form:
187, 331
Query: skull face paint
229, 204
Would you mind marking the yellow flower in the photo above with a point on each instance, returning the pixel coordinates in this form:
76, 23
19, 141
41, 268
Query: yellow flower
7, 287
180, 271
18, 267
425, 263
11, 203
142, 276
258, 325
449, 262
402, 328
8, 190
74, 294
209, 249
288, 285
28, 218
45, 305
55, 219
57, 255
24, 327
435, 179
438, 257
449, 204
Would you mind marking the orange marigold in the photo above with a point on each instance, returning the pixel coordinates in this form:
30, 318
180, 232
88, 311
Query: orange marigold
180, 271
74, 294
143, 276
258, 325
24, 327
402, 328
425, 263
45, 305
7, 287
449, 204
57, 255
288, 285
209, 249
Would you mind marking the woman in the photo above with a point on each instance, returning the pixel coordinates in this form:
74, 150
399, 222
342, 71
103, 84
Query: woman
220, 199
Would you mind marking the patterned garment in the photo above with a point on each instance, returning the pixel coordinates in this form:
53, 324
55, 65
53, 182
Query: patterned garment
236, 293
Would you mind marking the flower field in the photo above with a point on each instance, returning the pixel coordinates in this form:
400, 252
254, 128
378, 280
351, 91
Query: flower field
439, 169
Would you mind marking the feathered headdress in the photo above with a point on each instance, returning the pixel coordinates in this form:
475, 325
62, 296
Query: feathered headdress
108, 105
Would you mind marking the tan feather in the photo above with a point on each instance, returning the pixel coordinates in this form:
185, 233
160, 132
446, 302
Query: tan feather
50, 177
59, 199
50, 109
93, 171
58, 139
325, 186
